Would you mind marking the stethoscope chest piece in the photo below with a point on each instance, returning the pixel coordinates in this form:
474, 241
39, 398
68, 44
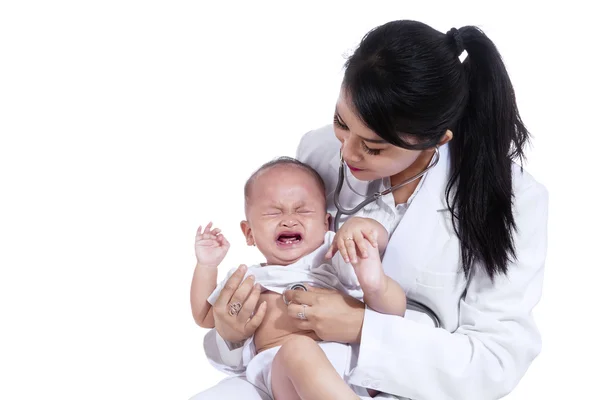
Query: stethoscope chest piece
294, 286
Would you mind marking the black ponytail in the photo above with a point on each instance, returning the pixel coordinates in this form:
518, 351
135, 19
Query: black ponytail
489, 136
406, 81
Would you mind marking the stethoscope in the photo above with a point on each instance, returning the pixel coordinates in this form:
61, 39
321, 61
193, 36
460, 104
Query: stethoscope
410, 304
342, 177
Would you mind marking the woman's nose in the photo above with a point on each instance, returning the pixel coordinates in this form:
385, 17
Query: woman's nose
349, 151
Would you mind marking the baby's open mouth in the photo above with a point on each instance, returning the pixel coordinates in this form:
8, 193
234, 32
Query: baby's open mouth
289, 238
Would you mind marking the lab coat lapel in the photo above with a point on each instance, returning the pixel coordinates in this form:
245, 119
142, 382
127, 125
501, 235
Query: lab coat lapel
420, 233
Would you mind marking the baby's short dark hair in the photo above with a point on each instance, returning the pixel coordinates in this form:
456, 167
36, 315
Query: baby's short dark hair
287, 161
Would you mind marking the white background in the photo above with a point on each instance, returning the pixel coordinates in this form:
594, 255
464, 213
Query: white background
126, 124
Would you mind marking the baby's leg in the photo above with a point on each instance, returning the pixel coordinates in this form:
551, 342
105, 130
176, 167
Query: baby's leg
301, 370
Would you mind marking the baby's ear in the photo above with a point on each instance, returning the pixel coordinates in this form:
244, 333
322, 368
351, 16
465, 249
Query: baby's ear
327, 220
247, 231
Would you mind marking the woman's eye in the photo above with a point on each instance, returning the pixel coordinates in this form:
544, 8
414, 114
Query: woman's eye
338, 123
370, 151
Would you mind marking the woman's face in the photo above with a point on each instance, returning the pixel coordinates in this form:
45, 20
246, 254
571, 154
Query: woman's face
367, 155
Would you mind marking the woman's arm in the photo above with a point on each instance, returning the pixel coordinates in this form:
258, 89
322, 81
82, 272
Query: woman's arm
484, 358
496, 339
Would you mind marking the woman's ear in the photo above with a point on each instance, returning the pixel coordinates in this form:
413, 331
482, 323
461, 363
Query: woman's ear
247, 231
446, 138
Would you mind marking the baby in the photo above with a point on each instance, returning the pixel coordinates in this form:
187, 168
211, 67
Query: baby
286, 219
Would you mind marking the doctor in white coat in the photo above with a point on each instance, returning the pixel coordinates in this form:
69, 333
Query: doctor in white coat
468, 239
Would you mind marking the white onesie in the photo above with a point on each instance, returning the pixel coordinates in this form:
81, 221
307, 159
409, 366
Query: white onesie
313, 268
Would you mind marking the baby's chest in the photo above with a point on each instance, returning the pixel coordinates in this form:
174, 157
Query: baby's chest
276, 323
276, 308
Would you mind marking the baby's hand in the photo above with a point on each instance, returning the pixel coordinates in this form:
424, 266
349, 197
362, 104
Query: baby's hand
355, 234
211, 246
369, 272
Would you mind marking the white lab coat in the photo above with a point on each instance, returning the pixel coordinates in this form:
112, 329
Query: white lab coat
488, 337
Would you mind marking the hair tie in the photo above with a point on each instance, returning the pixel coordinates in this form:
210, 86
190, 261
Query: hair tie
457, 41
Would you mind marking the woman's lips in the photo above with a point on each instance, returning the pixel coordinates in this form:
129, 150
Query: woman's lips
353, 168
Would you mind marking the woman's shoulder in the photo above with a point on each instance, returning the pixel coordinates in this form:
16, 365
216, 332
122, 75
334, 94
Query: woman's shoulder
530, 203
526, 186
320, 149
317, 143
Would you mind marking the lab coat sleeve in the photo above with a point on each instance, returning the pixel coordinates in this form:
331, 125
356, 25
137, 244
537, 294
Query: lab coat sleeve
219, 355
495, 342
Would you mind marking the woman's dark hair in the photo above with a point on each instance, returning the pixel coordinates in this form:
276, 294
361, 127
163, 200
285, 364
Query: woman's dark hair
406, 81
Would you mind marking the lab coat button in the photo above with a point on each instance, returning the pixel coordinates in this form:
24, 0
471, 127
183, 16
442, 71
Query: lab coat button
366, 383
375, 384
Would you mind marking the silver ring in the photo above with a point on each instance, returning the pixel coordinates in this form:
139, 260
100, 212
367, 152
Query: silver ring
294, 286
349, 238
235, 308
302, 314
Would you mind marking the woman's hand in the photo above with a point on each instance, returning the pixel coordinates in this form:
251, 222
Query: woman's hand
236, 324
331, 315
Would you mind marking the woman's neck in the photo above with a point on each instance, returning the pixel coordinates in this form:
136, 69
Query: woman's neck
402, 194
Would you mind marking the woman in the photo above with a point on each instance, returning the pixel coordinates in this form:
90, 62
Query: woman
468, 239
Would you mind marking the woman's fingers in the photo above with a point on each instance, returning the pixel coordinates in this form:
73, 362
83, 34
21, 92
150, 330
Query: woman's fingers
316, 289
230, 287
254, 322
300, 297
242, 292
250, 303
295, 310
306, 324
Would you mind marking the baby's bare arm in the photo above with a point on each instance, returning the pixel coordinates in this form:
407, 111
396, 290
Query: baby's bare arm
391, 299
382, 234
211, 247
204, 283
380, 292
